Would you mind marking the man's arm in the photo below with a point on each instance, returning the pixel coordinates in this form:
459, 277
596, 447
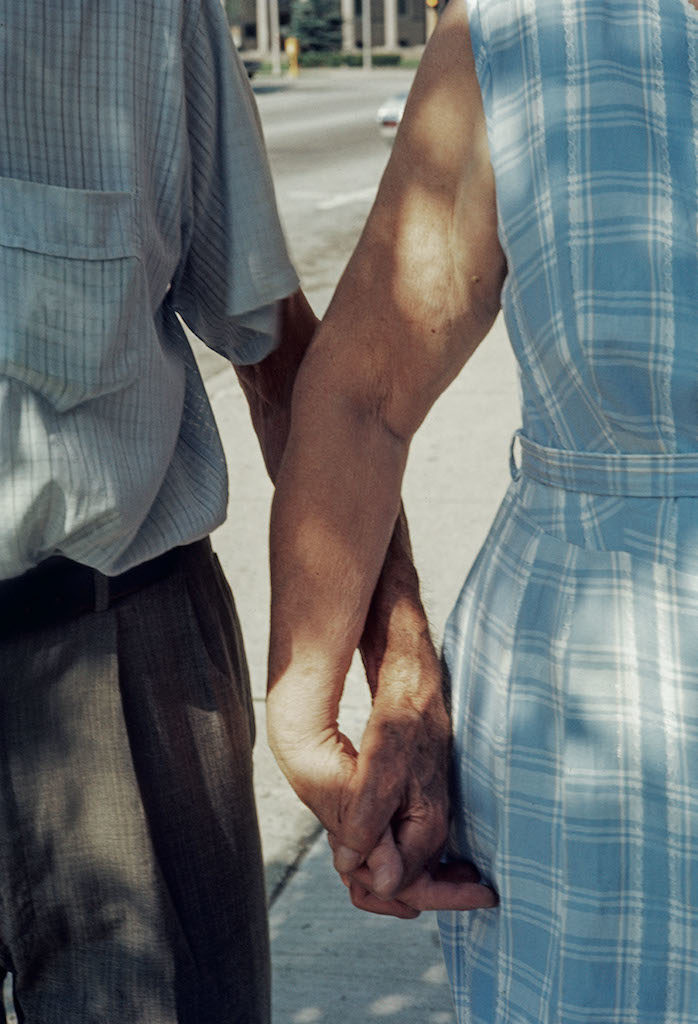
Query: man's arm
418, 295
268, 385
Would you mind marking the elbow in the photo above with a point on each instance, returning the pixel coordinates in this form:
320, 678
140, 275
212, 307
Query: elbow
340, 392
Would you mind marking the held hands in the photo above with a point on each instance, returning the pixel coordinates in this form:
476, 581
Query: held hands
384, 806
453, 886
395, 783
400, 875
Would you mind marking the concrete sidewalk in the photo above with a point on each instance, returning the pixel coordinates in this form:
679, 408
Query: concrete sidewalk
335, 963
332, 963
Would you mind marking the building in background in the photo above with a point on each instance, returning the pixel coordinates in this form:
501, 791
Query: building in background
394, 23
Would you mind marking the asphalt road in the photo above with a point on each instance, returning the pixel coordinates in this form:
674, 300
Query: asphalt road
327, 157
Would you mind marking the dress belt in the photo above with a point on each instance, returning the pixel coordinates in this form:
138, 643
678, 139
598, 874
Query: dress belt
618, 473
59, 589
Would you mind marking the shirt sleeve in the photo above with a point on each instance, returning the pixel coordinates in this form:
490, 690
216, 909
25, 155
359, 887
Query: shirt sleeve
234, 263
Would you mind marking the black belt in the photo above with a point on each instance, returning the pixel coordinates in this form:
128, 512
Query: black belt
58, 590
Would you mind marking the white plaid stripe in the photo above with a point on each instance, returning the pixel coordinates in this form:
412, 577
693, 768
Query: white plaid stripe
573, 649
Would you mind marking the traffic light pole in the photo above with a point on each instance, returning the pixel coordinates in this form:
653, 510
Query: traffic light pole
262, 28
431, 16
390, 20
366, 42
275, 36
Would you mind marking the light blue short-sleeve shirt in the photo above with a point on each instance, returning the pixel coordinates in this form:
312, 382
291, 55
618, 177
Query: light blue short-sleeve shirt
134, 189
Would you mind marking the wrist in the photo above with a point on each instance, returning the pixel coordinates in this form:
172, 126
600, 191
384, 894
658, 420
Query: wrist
397, 632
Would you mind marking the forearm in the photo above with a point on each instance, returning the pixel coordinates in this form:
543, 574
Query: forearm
333, 587
268, 386
418, 296
335, 506
396, 645
395, 626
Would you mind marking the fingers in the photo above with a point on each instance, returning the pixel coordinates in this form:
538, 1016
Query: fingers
394, 863
380, 781
454, 886
345, 859
363, 834
420, 838
401, 782
372, 799
402, 852
383, 868
451, 887
386, 867
365, 900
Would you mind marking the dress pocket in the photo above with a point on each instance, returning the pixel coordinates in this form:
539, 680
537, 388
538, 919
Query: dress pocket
72, 290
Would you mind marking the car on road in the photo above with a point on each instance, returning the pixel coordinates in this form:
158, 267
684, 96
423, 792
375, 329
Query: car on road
251, 66
389, 116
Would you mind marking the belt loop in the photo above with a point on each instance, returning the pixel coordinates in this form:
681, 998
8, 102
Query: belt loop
101, 583
514, 469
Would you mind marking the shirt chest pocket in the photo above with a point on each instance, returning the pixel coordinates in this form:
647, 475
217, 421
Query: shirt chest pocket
72, 290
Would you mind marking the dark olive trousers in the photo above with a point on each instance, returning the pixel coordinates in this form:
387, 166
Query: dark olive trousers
131, 881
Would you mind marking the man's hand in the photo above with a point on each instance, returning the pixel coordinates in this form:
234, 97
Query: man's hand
403, 763
395, 818
453, 886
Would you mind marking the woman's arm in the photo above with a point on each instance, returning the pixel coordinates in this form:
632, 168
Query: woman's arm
418, 295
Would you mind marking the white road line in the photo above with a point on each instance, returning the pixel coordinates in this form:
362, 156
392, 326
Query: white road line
344, 198
306, 195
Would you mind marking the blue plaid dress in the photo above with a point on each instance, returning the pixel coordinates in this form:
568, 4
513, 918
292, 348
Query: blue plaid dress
573, 648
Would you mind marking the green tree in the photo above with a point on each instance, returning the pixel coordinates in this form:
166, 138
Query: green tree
317, 24
232, 9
